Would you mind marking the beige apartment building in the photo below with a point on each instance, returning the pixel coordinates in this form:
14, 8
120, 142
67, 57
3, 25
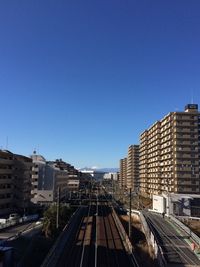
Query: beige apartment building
170, 155
123, 173
132, 175
15, 182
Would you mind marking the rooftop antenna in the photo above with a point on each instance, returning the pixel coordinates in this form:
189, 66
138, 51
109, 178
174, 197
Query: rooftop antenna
6, 142
192, 96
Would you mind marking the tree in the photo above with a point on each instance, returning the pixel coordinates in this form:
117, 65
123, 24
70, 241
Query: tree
49, 223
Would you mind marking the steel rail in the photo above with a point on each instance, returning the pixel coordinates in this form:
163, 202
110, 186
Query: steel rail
103, 223
72, 250
113, 237
180, 241
125, 239
109, 237
84, 236
96, 235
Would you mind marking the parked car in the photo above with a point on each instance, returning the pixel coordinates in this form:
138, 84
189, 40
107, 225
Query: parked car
14, 217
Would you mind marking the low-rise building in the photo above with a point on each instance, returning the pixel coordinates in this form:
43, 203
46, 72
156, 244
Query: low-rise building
111, 176
177, 204
49, 177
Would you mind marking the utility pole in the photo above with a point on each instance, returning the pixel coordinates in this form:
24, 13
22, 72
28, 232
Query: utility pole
80, 196
130, 228
123, 195
24, 206
58, 208
112, 190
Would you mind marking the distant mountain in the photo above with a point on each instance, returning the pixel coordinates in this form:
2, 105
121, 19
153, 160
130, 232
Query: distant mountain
100, 169
108, 170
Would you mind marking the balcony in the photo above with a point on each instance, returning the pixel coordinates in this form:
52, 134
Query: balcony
185, 156
35, 169
5, 200
186, 149
6, 161
181, 136
5, 190
186, 175
185, 143
186, 123
186, 163
6, 171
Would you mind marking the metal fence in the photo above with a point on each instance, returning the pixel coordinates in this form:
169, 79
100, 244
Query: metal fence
21, 220
127, 244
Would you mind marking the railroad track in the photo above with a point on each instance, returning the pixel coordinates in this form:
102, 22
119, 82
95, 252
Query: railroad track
77, 253
111, 251
175, 249
95, 241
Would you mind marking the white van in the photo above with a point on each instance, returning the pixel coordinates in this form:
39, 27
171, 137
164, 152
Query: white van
14, 217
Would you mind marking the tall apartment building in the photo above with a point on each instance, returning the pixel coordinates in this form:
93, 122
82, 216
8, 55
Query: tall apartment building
15, 182
143, 166
132, 176
123, 173
170, 154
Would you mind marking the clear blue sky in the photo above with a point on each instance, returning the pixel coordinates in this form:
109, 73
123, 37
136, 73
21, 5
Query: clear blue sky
81, 79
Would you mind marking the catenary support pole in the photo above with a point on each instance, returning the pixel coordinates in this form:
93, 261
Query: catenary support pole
58, 208
130, 228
